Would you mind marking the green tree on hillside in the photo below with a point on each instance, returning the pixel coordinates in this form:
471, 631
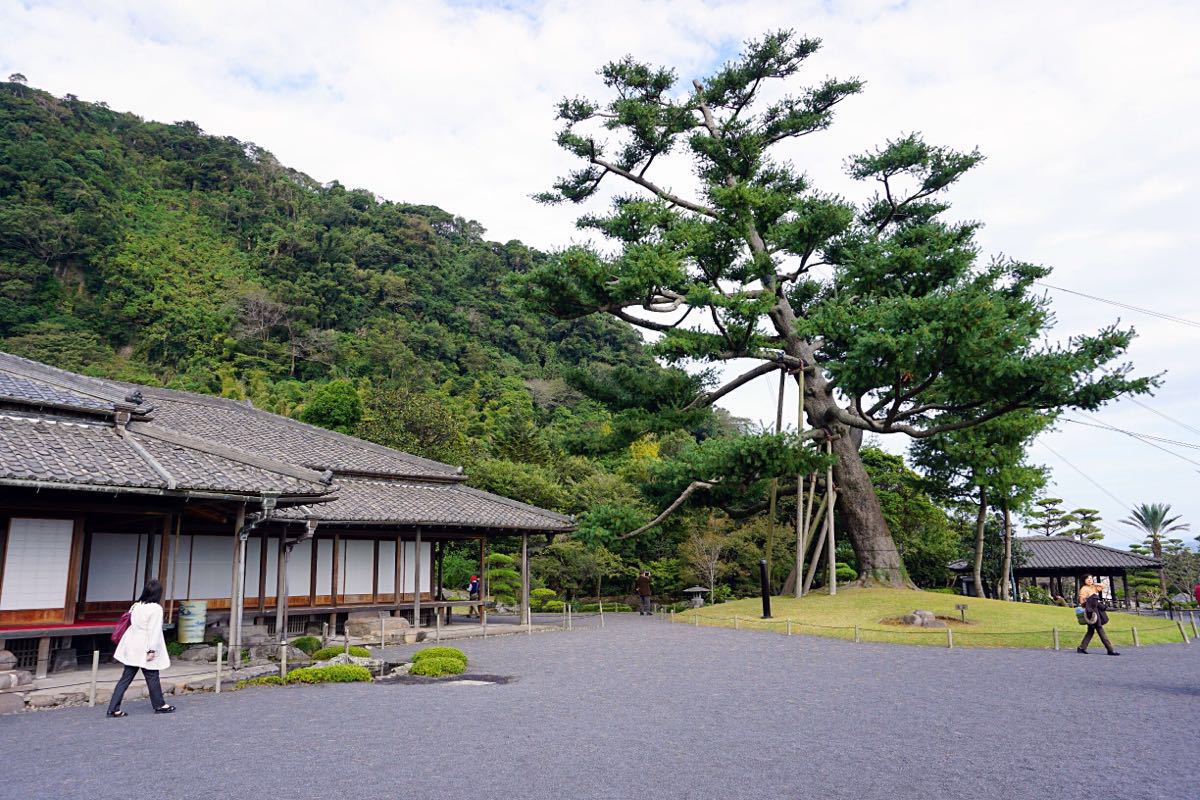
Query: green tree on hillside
884, 306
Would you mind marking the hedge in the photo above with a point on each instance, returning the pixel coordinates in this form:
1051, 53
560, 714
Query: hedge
615, 607
262, 680
326, 653
437, 666
439, 652
334, 673
309, 644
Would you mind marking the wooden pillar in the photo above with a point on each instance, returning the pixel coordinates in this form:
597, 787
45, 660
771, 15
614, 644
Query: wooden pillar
164, 557
399, 567
441, 588
43, 658
262, 571
281, 587
238, 589
337, 560
312, 572
1125, 589
525, 579
74, 569
417, 582
174, 554
483, 581
375, 572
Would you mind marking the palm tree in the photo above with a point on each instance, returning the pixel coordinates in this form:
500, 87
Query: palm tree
1153, 520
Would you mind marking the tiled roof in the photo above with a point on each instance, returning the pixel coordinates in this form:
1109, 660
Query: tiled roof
41, 448
50, 449
1065, 553
374, 501
239, 425
19, 389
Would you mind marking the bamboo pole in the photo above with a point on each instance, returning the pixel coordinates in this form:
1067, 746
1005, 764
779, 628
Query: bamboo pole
832, 543
820, 543
774, 481
801, 519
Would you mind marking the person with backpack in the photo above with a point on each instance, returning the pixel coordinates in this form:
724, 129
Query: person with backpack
142, 647
644, 592
1091, 598
473, 595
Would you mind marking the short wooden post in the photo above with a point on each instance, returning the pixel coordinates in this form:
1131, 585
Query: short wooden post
789, 627
95, 673
220, 653
437, 626
736, 623
949, 638
1192, 616
382, 630
601, 599
324, 633
697, 619
1137, 641
858, 634
283, 659
1182, 632
1056, 642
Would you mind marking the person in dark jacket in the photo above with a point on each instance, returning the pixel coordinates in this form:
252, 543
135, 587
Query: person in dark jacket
1091, 597
644, 592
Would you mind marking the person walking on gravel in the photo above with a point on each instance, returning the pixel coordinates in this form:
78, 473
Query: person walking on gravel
1091, 597
644, 592
143, 647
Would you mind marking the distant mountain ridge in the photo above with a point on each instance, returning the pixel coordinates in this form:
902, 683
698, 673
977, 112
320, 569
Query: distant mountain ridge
157, 253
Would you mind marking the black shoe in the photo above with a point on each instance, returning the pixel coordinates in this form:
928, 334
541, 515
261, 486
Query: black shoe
117, 713
1081, 650
1113, 653
165, 710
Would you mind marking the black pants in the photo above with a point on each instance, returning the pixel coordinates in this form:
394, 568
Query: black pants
152, 683
1087, 637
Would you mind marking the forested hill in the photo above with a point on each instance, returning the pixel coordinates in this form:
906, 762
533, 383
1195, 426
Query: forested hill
158, 253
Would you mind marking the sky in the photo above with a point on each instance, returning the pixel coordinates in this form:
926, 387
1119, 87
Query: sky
1086, 112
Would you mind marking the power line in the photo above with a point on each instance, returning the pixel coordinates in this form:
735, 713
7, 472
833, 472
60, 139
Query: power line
1143, 436
1086, 477
1158, 314
1167, 417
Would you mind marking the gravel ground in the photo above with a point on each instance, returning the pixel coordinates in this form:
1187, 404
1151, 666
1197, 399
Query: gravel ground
643, 709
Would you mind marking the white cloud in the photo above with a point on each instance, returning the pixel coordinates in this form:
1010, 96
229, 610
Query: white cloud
1085, 111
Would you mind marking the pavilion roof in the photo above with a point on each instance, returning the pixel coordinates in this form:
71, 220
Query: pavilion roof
1063, 553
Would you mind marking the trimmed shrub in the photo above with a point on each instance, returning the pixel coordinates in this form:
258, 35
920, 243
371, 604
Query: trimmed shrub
334, 673
553, 606
438, 666
608, 607
309, 644
326, 653
539, 597
262, 680
175, 649
439, 652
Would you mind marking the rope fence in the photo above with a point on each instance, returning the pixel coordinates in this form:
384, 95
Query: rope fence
950, 636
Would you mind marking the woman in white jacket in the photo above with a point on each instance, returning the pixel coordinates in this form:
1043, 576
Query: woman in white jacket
143, 647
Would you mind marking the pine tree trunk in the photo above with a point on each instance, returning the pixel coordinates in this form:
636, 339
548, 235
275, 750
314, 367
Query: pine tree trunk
1006, 584
980, 524
859, 511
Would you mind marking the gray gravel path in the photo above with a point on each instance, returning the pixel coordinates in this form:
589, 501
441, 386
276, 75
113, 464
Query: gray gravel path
644, 709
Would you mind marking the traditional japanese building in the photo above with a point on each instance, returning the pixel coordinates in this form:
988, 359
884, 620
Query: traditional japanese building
104, 485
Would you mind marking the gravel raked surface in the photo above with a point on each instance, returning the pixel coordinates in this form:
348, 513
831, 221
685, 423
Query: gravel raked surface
644, 709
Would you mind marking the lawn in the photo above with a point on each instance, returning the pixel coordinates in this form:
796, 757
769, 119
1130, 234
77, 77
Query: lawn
990, 623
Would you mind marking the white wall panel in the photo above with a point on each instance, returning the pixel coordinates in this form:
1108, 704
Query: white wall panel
178, 574
36, 564
410, 566
253, 553
387, 567
272, 566
113, 567
299, 570
359, 565
212, 567
324, 565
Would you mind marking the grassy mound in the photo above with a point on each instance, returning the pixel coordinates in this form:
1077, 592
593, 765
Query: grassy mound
438, 666
326, 653
440, 652
990, 623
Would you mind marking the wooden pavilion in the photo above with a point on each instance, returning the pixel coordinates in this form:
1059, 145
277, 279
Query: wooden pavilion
104, 485
1059, 564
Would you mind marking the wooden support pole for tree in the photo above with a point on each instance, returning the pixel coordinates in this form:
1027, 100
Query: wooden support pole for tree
774, 481
801, 516
816, 556
831, 492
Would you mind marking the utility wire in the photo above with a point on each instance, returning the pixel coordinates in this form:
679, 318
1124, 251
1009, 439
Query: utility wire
1143, 436
1086, 477
1167, 417
1159, 314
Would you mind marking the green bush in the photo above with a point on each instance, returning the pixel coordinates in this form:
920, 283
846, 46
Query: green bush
553, 606
436, 667
175, 649
608, 607
943, 590
334, 673
309, 644
539, 597
262, 680
439, 652
326, 653
1036, 594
